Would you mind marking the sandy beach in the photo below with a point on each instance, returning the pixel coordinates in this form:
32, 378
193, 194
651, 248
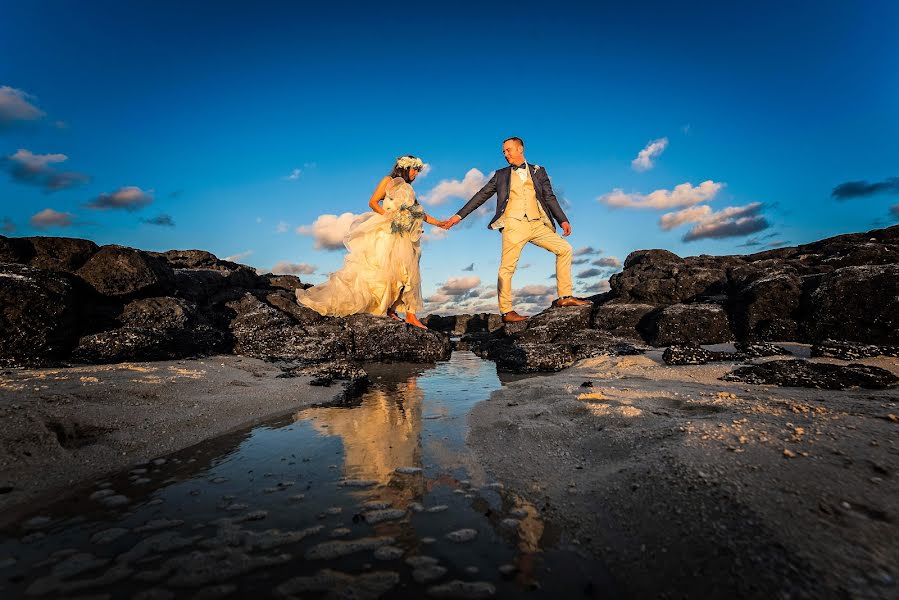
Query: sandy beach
62, 426
679, 481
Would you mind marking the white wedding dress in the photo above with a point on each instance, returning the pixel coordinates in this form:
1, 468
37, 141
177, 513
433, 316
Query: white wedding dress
380, 270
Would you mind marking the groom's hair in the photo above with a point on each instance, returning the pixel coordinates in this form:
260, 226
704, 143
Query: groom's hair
517, 140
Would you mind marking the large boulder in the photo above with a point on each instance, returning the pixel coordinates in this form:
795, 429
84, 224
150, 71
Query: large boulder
625, 320
379, 338
802, 373
767, 308
38, 315
661, 277
859, 304
263, 331
51, 253
464, 324
152, 329
688, 324
118, 271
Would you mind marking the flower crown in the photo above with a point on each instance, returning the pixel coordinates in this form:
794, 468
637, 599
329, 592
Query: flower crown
409, 162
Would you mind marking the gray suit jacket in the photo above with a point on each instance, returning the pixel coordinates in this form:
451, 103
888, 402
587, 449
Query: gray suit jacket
499, 184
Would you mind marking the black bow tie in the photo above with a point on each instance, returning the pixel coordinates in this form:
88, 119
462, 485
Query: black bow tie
521, 166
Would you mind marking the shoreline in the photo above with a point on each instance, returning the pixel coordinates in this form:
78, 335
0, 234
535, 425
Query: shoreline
681, 483
73, 424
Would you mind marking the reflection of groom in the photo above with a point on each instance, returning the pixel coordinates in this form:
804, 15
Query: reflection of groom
525, 209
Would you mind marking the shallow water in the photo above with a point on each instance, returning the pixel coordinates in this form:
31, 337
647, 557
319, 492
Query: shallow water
375, 497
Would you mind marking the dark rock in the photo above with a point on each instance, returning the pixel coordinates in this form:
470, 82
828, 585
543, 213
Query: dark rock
759, 349
859, 304
118, 271
661, 277
51, 253
852, 350
290, 283
152, 329
287, 302
801, 373
550, 341
263, 331
377, 338
695, 355
38, 315
688, 324
767, 308
621, 319
464, 324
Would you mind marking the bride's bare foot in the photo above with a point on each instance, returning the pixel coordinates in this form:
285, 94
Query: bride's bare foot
392, 314
411, 319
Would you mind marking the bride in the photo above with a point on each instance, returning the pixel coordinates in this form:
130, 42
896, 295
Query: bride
380, 273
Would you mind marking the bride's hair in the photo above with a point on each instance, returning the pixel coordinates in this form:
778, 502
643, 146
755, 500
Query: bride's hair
403, 164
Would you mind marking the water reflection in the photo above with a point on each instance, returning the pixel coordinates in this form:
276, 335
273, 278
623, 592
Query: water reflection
391, 470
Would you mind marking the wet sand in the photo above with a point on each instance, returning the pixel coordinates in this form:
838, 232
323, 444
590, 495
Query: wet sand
60, 427
687, 486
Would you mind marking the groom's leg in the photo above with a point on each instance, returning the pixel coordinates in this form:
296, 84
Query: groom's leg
552, 241
515, 235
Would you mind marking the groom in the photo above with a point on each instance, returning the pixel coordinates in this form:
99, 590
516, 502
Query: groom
525, 209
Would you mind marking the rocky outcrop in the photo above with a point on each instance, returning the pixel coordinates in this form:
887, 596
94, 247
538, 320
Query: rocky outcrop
802, 373
38, 315
551, 341
71, 300
844, 288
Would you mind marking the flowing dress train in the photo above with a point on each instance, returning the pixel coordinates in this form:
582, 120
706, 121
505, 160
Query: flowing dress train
380, 270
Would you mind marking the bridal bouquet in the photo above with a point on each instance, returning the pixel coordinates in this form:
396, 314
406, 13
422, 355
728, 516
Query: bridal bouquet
405, 218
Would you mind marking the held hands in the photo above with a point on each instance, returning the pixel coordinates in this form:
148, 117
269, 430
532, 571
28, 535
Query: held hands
450, 222
566, 228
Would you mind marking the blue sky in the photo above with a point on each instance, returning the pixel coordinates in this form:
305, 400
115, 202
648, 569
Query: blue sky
239, 128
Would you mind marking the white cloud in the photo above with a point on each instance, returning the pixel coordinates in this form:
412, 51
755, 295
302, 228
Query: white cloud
597, 288
694, 214
294, 175
607, 261
36, 169
239, 256
425, 170
653, 150
732, 221
7, 225
435, 234
473, 181
282, 227
684, 194
15, 106
328, 231
50, 218
129, 198
586, 251
288, 268
458, 286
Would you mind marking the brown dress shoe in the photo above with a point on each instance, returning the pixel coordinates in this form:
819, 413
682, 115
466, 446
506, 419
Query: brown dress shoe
571, 301
512, 317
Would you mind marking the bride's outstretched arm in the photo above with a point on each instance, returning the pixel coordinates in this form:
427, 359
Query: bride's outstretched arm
375, 201
432, 221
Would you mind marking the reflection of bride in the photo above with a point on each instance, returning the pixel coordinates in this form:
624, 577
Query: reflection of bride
380, 274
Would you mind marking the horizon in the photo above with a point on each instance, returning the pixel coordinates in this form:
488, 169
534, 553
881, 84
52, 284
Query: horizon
257, 133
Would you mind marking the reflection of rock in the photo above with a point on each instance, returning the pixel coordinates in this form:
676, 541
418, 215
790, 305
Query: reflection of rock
801, 373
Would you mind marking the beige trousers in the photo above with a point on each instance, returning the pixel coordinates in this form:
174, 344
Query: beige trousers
517, 233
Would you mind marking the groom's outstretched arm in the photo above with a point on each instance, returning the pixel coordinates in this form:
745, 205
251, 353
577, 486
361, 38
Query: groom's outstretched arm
478, 199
